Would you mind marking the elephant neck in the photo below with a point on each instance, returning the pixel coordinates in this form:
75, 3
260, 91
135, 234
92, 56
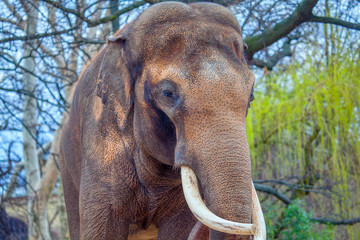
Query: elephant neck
155, 176
161, 184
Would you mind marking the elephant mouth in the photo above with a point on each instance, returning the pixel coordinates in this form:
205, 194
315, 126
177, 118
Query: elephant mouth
206, 217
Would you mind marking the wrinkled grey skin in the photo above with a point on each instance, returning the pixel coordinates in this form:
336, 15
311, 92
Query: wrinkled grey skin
171, 89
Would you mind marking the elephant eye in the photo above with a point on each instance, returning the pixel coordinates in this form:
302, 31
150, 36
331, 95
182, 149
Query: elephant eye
252, 98
168, 93
245, 46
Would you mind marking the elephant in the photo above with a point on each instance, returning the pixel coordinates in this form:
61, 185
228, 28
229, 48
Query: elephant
156, 131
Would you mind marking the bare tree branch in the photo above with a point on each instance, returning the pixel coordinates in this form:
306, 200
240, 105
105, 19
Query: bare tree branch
351, 221
38, 36
58, 5
273, 60
79, 15
115, 14
13, 180
98, 21
18, 24
300, 15
13, 10
20, 166
334, 21
287, 201
272, 191
114, 7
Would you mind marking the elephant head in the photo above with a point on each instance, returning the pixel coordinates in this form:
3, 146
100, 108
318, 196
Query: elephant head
190, 103
177, 81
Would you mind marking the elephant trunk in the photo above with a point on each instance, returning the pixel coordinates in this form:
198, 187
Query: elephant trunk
227, 188
206, 217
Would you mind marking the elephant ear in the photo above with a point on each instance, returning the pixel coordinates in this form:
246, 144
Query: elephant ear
115, 83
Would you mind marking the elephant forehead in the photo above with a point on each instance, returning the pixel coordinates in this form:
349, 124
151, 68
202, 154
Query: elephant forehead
158, 32
176, 11
203, 60
202, 74
187, 39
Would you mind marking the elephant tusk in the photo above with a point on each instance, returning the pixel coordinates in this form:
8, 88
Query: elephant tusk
205, 216
202, 213
259, 226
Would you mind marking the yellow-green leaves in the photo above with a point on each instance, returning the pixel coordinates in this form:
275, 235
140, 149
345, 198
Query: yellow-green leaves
305, 126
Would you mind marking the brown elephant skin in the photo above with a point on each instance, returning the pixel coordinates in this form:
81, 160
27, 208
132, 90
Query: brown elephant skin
170, 89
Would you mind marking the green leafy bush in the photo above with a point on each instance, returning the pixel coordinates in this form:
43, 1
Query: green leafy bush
293, 222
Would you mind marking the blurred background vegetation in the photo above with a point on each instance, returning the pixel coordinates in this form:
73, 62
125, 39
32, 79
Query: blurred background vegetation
304, 132
303, 127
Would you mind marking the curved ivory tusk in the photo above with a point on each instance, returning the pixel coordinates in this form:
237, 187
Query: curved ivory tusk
205, 216
259, 227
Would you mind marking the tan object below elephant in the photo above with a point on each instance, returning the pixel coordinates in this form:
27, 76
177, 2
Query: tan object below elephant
160, 108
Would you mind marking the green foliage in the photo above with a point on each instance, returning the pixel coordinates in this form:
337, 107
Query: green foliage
291, 107
304, 126
293, 222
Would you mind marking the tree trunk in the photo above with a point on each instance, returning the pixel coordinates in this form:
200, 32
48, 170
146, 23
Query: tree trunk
65, 235
19, 167
48, 181
31, 162
51, 171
